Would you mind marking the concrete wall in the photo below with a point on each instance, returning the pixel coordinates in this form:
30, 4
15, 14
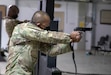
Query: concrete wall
27, 8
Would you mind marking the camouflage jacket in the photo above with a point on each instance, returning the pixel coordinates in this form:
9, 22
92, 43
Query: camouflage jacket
10, 24
27, 39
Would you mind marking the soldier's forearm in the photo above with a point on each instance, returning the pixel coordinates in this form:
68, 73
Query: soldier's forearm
59, 49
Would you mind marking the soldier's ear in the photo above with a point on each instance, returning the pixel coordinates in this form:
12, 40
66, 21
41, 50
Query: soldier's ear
38, 23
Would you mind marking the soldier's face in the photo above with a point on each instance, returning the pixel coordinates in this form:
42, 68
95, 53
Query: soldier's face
44, 25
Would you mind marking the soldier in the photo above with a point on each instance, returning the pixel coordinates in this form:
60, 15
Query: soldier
29, 38
11, 19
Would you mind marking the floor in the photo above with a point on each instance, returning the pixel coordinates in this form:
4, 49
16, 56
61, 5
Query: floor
86, 64
98, 64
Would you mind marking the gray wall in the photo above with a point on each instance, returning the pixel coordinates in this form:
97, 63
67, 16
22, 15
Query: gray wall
102, 29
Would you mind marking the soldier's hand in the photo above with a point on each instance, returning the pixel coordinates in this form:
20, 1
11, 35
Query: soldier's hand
75, 36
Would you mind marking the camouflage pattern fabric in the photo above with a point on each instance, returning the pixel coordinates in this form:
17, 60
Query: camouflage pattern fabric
10, 24
27, 39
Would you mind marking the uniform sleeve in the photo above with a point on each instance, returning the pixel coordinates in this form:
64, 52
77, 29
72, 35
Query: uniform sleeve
33, 33
10, 24
56, 49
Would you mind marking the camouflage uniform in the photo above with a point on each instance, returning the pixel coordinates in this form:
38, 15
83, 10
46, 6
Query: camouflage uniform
27, 39
10, 24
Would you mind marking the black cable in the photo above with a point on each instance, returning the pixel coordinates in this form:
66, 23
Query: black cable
73, 56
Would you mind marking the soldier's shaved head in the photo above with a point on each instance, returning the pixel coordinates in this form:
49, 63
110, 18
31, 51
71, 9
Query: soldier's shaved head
40, 17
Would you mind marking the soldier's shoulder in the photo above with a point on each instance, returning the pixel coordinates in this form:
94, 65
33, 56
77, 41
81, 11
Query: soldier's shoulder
8, 20
24, 24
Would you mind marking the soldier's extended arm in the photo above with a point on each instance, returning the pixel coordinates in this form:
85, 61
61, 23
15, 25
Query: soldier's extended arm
59, 49
37, 34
